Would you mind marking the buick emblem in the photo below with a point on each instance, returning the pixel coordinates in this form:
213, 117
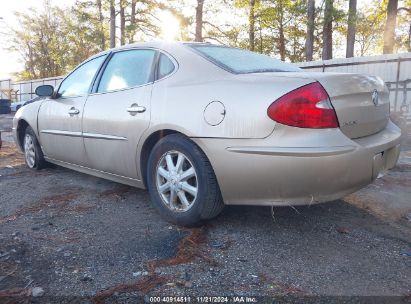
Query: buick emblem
374, 97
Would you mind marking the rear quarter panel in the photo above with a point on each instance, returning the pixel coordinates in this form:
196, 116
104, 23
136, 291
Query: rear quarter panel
179, 101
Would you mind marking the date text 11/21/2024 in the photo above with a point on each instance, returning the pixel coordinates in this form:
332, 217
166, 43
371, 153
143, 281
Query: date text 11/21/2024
203, 299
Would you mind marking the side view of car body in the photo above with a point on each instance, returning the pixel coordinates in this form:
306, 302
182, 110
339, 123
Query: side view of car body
202, 125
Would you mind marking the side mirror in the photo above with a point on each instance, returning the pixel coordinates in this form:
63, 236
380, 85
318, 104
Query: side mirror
45, 90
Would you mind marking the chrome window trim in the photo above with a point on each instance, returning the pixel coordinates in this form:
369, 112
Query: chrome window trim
107, 54
129, 88
120, 90
173, 60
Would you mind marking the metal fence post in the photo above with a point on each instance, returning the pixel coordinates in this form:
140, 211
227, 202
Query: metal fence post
397, 83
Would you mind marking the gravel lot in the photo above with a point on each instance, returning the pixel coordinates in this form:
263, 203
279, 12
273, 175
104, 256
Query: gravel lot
77, 235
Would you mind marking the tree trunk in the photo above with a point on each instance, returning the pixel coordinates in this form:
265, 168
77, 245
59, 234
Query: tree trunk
309, 42
112, 24
132, 21
251, 31
101, 26
328, 30
389, 32
281, 42
352, 19
122, 23
199, 21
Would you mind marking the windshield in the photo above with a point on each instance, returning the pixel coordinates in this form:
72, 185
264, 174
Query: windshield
241, 61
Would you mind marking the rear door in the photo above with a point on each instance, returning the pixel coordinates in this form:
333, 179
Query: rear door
118, 112
60, 119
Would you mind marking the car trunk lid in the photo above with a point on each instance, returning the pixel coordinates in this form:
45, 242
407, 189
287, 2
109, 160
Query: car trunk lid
360, 101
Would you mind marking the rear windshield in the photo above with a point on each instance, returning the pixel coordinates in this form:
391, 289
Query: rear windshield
241, 61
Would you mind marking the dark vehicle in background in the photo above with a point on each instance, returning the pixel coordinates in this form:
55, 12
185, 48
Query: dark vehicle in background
5, 106
33, 100
15, 106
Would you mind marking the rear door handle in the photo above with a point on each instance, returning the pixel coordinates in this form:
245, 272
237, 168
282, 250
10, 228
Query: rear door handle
74, 111
135, 108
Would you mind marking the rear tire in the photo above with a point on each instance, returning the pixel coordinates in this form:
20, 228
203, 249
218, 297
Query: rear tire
182, 183
33, 154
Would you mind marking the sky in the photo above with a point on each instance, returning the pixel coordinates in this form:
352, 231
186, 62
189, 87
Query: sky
9, 61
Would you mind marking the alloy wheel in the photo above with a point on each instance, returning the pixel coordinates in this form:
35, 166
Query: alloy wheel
29, 151
176, 181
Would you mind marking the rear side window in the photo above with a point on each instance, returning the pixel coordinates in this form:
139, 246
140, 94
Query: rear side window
127, 69
165, 66
241, 61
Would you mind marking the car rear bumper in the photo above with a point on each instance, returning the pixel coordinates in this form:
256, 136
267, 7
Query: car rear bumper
296, 166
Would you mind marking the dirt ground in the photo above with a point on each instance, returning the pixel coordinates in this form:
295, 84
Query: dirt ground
75, 235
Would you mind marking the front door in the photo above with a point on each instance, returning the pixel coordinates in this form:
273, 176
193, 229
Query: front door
60, 119
116, 115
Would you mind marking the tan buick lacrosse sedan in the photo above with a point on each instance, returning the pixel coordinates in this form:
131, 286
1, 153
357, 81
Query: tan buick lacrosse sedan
202, 125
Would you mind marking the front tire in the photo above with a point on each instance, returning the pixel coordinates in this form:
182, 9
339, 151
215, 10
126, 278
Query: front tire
33, 154
182, 183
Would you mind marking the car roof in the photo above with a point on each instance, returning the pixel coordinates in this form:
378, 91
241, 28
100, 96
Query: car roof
160, 44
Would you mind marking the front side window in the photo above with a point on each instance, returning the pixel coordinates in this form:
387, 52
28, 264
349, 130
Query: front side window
79, 81
127, 69
241, 61
165, 66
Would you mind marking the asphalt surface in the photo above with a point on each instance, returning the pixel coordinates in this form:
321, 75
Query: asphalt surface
75, 235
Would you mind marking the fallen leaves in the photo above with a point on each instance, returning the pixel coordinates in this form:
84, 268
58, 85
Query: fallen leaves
16, 295
193, 245
144, 285
56, 202
190, 247
10, 156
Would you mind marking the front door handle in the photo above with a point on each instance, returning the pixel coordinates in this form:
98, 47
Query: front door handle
135, 108
73, 111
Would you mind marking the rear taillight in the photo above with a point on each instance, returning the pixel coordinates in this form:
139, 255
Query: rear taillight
306, 107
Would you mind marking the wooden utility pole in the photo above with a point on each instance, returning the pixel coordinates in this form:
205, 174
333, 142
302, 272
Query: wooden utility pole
251, 31
133, 21
199, 21
101, 26
112, 24
389, 31
328, 30
309, 42
352, 22
122, 23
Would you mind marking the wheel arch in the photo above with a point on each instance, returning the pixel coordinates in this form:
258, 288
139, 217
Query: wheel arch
148, 146
149, 143
20, 131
